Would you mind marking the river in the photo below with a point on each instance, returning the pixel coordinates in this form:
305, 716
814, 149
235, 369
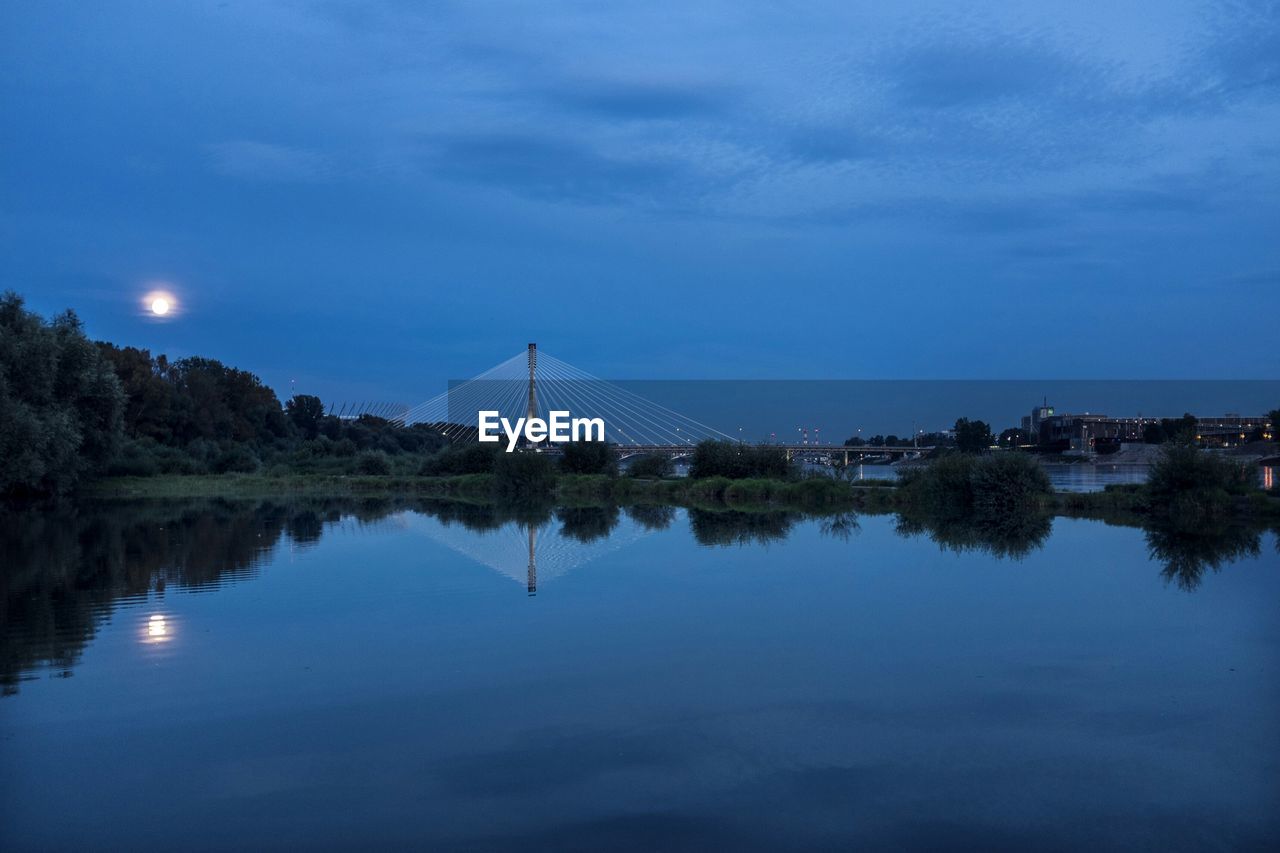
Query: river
377, 674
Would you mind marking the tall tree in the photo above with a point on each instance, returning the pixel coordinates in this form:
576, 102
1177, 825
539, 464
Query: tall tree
60, 402
588, 457
305, 412
973, 436
148, 392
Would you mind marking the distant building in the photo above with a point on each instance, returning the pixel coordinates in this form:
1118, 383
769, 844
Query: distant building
1229, 429
1089, 432
1031, 423
1101, 433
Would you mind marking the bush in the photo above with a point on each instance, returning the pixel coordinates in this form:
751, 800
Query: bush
523, 475
1190, 484
456, 459
750, 492
588, 457
710, 489
373, 462
1000, 481
1008, 480
739, 461
133, 460
1182, 468
655, 467
238, 459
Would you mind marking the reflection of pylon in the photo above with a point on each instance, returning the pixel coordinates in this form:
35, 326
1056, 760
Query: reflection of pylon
533, 564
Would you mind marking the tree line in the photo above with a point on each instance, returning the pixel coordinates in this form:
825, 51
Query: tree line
72, 408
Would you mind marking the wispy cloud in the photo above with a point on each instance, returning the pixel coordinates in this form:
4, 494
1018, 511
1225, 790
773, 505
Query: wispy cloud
546, 167
261, 161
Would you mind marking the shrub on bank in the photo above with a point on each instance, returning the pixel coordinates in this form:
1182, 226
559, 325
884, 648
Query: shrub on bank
236, 459
1008, 480
588, 457
996, 482
1189, 484
739, 461
523, 476
373, 462
751, 492
471, 458
655, 467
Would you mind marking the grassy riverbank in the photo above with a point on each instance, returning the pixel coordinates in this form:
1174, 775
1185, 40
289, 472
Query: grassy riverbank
811, 495
570, 489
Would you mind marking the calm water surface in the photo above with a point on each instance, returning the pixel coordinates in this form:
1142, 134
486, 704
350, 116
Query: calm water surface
339, 676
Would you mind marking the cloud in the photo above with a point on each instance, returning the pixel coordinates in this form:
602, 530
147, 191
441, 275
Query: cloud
547, 167
967, 73
261, 161
642, 100
835, 143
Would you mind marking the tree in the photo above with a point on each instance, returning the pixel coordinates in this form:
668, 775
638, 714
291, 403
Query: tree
523, 476
373, 462
218, 403
1179, 429
737, 461
650, 466
305, 412
855, 441
588, 457
1013, 437
61, 406
1274, 417
147, 389
973, 436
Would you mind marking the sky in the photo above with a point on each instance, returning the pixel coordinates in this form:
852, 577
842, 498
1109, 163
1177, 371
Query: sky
363, 200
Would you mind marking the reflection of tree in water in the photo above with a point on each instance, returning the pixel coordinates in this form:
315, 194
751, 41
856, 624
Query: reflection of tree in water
65, 569
1011, 534
480, 518
1189, 550
840, 526
652, 517
587, 523
731, 527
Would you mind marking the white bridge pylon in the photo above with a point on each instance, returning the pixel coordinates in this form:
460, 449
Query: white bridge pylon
513, 386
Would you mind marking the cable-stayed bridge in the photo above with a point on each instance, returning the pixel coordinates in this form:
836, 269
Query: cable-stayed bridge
533, 383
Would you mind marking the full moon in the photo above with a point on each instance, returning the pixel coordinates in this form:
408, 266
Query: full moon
160, 304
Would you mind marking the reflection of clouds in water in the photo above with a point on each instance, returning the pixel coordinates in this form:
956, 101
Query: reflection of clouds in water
528, 552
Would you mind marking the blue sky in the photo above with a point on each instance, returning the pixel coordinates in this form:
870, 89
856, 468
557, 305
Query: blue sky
372, 197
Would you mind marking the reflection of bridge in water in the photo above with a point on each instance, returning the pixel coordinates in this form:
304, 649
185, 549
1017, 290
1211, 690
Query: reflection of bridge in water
534, 384
528, 553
